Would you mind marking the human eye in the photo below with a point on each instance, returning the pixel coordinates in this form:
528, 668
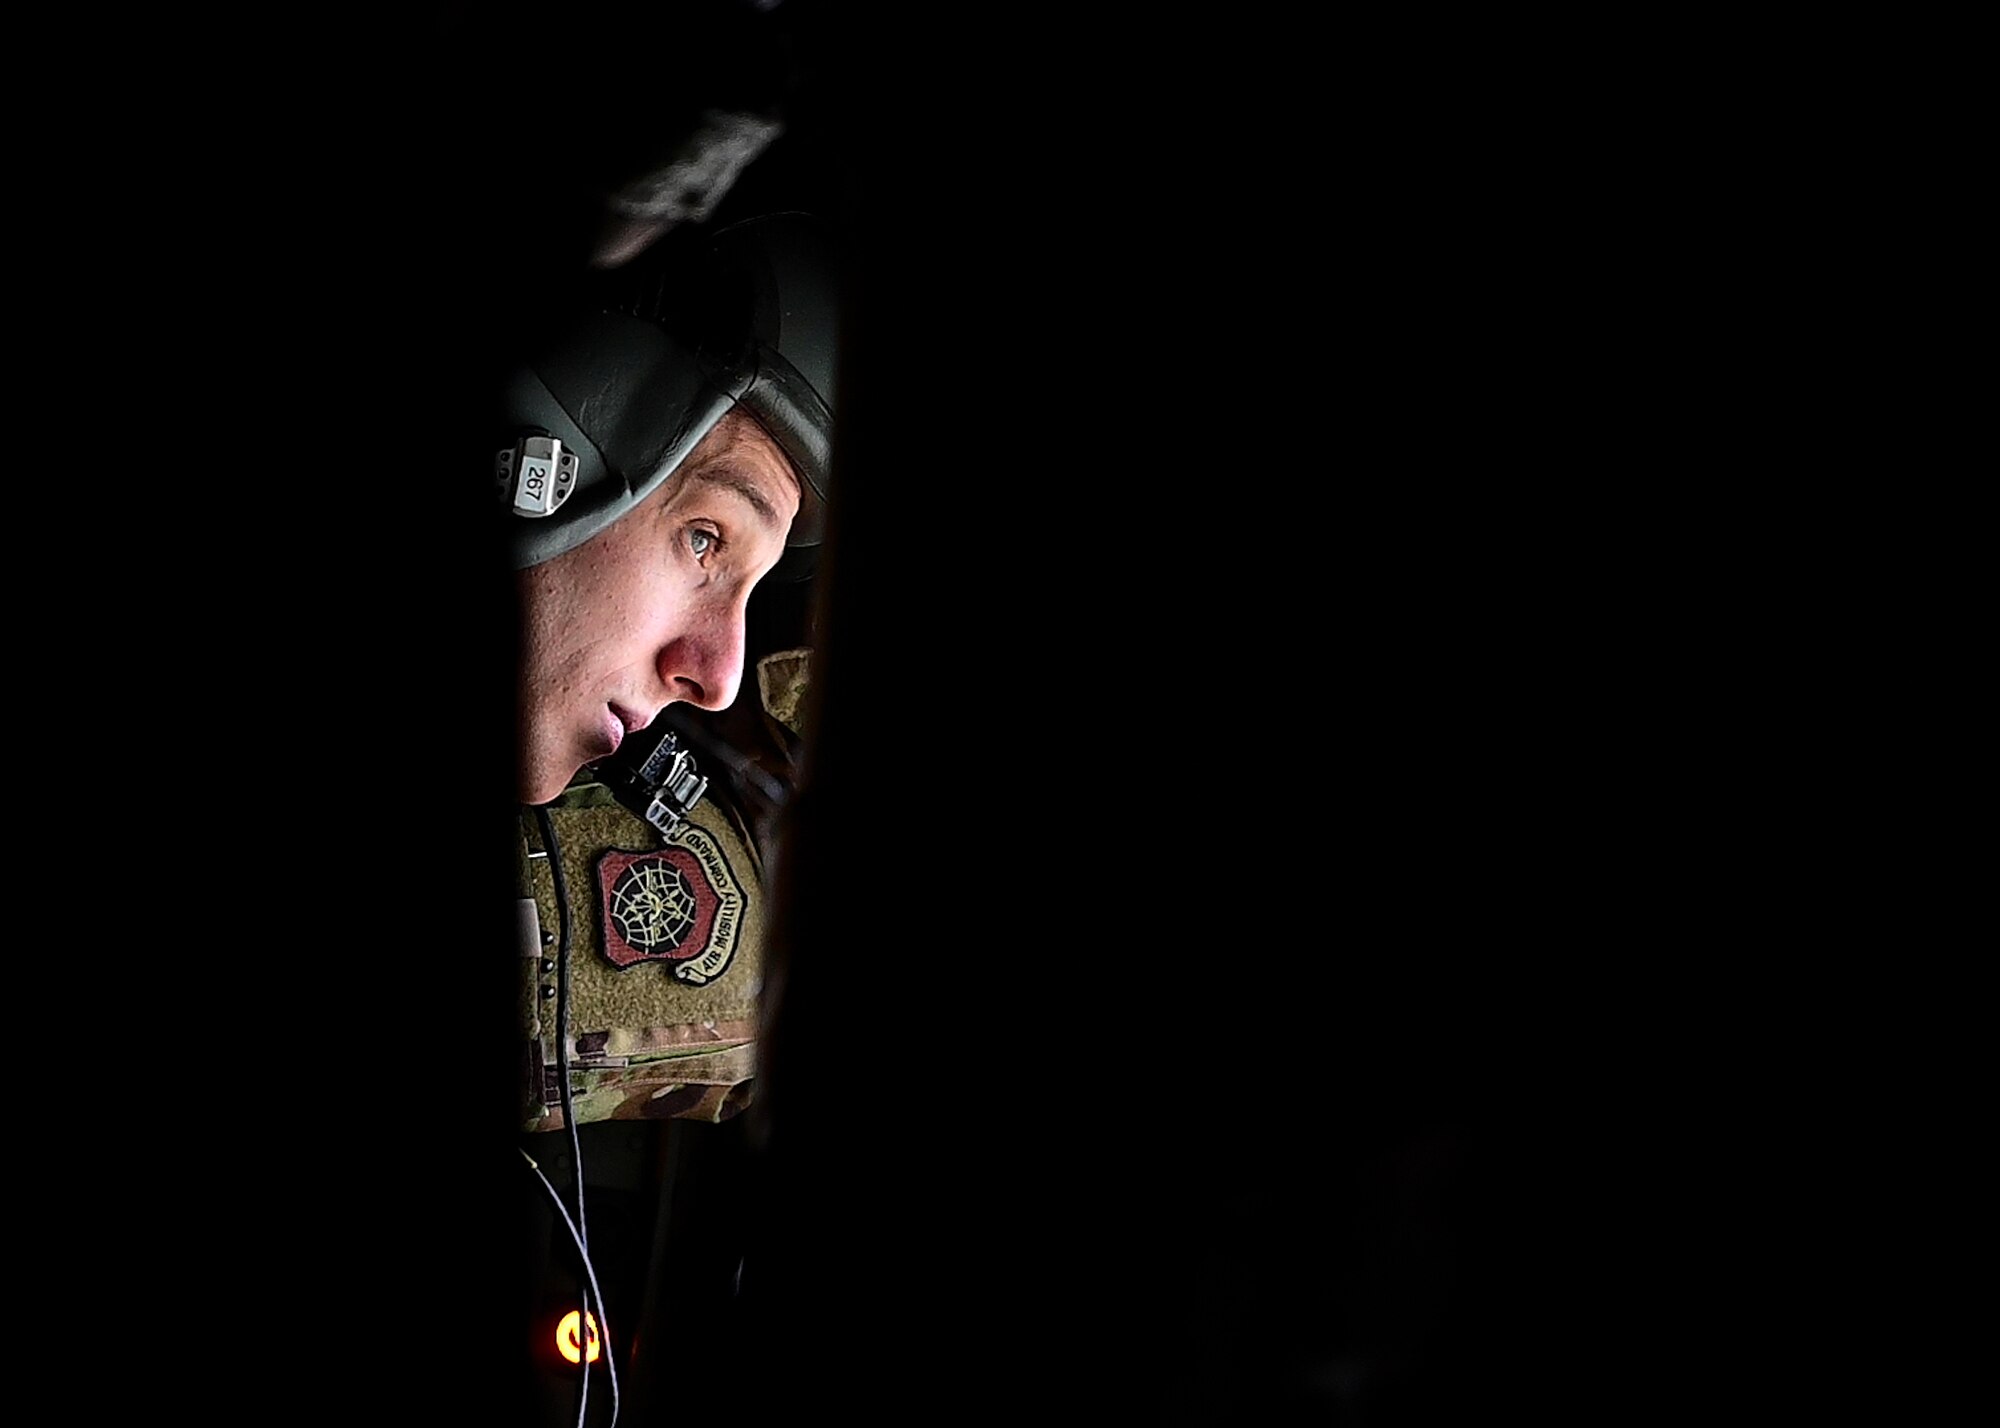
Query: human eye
703, 541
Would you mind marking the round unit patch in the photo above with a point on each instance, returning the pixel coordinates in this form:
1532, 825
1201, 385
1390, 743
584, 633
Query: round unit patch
680, 904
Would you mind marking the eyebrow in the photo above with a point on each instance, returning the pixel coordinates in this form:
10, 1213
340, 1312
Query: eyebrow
729, 481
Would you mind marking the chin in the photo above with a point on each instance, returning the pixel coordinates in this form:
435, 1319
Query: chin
541, 785
547, 759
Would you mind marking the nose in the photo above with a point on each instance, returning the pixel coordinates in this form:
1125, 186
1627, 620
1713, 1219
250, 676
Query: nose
701, 663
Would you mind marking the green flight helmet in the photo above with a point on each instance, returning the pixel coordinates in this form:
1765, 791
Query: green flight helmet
607, 408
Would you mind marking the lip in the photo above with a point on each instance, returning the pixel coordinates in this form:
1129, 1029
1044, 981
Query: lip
629, 721
611, 729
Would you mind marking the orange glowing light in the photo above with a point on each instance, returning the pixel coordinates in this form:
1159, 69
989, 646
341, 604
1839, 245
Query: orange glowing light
566, 1337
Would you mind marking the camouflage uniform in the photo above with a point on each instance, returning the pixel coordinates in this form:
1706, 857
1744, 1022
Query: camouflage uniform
665, 963
667, 940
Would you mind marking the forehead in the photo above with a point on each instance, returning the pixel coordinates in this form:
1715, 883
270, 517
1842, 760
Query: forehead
739, 458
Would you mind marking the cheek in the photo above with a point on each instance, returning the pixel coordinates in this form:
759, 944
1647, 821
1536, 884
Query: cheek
575, 619
605, 613
620, 588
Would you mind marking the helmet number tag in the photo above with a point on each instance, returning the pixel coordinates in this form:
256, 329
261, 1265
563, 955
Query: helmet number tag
536, 481
536, 474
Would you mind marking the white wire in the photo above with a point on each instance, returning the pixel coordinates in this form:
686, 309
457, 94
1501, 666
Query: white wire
583, 1330
552, 845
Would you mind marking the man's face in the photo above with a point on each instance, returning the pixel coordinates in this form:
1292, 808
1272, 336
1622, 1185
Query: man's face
650, 610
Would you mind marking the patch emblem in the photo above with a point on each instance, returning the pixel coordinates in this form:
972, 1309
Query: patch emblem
680, 904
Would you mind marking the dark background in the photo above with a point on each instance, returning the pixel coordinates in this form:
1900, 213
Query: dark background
1246, 623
